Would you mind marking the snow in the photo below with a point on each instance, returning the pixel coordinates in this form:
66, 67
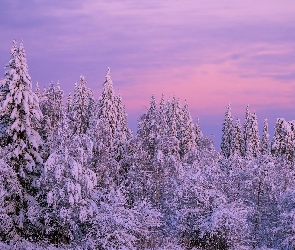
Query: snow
73, 176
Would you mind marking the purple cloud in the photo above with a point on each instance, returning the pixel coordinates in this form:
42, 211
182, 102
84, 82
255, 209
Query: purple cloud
154, 46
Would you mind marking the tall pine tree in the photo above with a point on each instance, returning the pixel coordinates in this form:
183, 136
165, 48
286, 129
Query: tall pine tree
237, 139
20, 113
264, 148
81, 107
227, 133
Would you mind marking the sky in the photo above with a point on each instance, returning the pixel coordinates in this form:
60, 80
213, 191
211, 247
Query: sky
210, 53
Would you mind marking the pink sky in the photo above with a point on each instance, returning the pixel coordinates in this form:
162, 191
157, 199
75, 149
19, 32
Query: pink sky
208, 52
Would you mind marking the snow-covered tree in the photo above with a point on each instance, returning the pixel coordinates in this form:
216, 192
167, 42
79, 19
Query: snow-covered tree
68, 106
173, 120
19, 114
253, 141
122, 133
237, 146
110, 110
247, 129
163, 126
122, 119
188, 137
264, 148
148, 128
37, 91
282, 144
51, 105
227, 133
107, 103
175, 117
81, 107
198, 131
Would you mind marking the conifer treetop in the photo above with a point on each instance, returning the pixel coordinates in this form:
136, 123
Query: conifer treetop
108, 77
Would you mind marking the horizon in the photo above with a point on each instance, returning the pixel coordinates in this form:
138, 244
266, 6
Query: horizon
211, 54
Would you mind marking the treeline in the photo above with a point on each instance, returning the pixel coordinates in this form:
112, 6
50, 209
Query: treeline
246, 142
73, 176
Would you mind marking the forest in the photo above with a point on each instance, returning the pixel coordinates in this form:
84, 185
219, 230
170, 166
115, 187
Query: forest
74, 176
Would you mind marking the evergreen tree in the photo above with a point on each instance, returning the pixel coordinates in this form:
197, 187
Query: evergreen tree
265, 139
20, 115
188, 137
122, 134
37, 91
148, 128
198, 132
111, 112
122, 119
173, 121
68, 107
51, 106
81, 107
283, 141
247, 130
163, 126
253, 143
227, 133
237, 139
5, 119
20, 111
107, 103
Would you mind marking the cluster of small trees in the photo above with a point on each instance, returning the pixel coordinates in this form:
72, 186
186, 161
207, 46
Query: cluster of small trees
73, 176
262, 176
246, 142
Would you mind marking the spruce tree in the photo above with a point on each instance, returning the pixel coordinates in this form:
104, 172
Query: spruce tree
247, 129
264, 148
173, 120
198, 132
122, 123
51, 106
188, 137
37, 91
68, 106
81, 107
237, 139
163, 126
227, 133
253, 143
107, 103
110, 111
20, 113
148, 129
282, 144
122, 133
20, 116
